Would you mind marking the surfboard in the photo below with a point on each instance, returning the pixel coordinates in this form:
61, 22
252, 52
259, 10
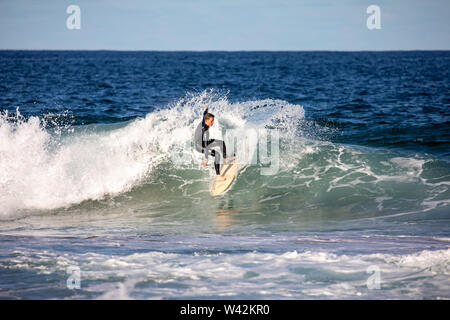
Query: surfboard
229, 172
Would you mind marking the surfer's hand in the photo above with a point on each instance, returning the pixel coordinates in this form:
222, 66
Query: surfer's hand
204, 162
205, 107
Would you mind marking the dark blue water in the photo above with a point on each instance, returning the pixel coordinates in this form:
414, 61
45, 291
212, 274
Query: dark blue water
388, 99
88, 177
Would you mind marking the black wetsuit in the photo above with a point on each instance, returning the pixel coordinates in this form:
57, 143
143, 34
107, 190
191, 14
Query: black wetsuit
204, 145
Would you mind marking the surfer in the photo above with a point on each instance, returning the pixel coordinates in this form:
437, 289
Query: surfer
204, 145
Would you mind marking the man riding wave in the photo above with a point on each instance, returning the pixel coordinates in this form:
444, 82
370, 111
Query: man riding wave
204, 145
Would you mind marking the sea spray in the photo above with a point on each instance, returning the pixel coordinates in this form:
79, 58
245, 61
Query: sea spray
92, 162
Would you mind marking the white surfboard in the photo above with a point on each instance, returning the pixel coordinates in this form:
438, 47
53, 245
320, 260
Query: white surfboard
228, 171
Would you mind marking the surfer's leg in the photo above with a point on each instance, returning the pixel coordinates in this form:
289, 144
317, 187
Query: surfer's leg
218, 143
216, 161
223, 149
221, 144
216, 156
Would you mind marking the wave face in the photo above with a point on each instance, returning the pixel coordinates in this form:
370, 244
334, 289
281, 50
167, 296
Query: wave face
47, 169
52, 167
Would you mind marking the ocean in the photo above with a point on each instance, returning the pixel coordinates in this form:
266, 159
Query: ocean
102, 195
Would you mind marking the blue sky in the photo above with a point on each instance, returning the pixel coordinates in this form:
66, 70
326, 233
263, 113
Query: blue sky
225, 25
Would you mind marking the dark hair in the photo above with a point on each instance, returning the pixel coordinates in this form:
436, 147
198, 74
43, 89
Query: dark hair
208, 116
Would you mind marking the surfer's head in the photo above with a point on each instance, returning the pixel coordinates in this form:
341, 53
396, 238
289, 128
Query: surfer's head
209, 119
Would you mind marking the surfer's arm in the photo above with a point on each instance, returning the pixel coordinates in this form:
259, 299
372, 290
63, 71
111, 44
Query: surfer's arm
205, 140
204, 114
205, 153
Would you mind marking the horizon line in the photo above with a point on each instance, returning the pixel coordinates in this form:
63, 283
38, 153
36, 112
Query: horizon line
215, 50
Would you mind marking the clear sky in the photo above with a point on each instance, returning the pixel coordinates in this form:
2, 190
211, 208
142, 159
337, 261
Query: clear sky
225, 25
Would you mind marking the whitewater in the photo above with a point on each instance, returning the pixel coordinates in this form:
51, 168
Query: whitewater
342, 190
116, 187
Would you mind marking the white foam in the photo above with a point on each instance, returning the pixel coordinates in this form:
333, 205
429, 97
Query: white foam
88, 165
84, 167
289, 274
